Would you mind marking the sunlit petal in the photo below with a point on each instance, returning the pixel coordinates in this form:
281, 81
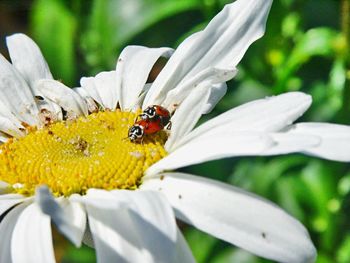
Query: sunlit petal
266, 115
334, 139
146, 229
221, 44
63, 96
102, 88
27, 58
69, 217
235, 216
16, 94
224, 144
133, 67
186, 116
34, 243
6, 230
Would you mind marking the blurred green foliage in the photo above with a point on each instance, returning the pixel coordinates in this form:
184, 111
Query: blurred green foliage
306, 48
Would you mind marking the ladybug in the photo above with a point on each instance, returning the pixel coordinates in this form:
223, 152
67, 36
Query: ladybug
155, 112
142, 127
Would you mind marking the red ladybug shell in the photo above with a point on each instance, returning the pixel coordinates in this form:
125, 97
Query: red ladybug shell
161, 111
154, 113
163, 114
150, 127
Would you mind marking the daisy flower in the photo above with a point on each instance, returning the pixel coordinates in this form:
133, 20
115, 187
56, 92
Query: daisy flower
66, 158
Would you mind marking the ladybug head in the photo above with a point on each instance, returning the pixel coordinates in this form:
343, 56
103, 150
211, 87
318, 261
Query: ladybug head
135, 133
149, 112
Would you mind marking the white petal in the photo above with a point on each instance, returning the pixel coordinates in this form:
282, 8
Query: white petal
16, 95
284, 143
224, 144
186, 116
143, 232
217, 92
92, 106
6, 229
100, 198
269, 114
3, 138
133, 67
69, 217
154, 220
102, 88
111, 232
49, 111
236, 216
63, 96
5, 112
157, 95
9, 200
221, 44
27, 58
204, 79
184, 253
32, 238
141, 97
7, 126
335, 139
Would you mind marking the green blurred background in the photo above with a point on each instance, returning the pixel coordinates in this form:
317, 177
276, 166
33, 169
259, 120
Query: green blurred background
306, 48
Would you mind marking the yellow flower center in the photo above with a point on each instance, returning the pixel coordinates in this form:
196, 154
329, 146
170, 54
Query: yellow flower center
71, 157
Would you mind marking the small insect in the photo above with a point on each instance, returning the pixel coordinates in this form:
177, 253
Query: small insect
154, 112
143, 127
153, 119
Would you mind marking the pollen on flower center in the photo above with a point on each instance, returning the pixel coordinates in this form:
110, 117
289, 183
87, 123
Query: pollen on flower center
71, 157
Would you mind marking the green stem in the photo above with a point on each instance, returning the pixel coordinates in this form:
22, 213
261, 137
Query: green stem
345, 28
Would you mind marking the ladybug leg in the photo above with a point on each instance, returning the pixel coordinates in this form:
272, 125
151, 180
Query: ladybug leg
168, 126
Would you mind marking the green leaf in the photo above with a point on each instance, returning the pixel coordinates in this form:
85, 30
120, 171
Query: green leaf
343, 253
344, 185
321, 196
290, 25
314, 42
317, 41
83, 254
201, 244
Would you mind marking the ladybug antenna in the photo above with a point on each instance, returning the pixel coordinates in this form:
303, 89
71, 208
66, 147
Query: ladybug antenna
123, 139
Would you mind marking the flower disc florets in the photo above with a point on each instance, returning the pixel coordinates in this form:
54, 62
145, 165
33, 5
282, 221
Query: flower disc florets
73, 156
